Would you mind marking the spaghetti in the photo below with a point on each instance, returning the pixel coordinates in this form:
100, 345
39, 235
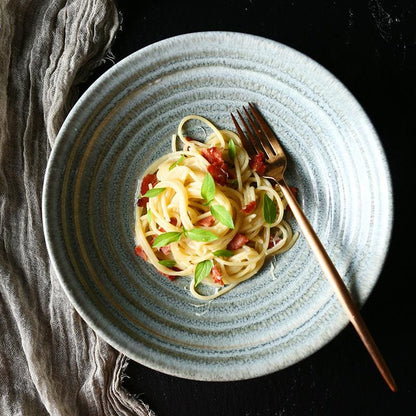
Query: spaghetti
206, 211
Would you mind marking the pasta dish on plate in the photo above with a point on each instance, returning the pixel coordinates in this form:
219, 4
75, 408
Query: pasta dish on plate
205, 211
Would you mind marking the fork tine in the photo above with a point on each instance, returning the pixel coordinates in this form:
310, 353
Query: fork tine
249, 132
265, 147
247, 137
246, 143
267, 131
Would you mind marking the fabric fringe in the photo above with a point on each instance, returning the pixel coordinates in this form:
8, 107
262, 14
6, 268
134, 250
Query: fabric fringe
51, 362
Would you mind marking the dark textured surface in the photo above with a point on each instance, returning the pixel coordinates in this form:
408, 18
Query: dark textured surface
371, 47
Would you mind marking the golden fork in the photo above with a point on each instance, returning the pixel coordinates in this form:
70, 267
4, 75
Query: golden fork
259, 138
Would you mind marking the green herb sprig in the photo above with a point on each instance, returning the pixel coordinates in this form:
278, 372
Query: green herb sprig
208, 188
202, 270
232, 151
153, 192
164, 239
196, 234
167, 263
223, 253
217, 211
178, 162
269, 210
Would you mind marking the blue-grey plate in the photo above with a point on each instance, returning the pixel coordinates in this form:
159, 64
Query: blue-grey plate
125, 120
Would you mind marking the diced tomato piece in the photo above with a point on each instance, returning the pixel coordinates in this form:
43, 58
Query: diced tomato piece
207, 221
216, 275
165, 249
150, 179
295, 194
219, 175
230, 173
294, 191
217, 167
214, 156
249, 208
172, 221
170, 277
237, 242
140, 252
273, 241
257, 163
141, 202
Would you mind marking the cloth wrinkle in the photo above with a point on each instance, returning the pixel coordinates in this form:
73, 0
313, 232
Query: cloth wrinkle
51, 361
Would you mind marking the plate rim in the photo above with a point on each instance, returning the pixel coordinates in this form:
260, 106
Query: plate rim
47, 195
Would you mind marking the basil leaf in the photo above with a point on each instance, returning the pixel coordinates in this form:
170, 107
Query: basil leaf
164, 239
178, 162
208, 188
167, 263
231, 149
202, 270
223, 253
153, 192
149, 216
269, 210
222, 215
198, 234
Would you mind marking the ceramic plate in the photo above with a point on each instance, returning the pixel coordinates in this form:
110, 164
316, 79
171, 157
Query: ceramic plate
125, 120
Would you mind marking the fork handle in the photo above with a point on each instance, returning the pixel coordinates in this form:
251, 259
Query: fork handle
337, 284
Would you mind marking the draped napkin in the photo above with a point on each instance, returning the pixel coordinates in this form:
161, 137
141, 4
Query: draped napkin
51, 362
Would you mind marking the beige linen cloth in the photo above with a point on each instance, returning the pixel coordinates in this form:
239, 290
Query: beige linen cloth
51, 362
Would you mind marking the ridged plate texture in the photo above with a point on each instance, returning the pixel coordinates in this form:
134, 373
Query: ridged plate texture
125, 120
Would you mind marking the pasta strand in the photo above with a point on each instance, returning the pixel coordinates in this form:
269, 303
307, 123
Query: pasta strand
236, 236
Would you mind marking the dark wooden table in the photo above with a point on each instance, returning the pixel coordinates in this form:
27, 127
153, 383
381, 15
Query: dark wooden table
370, 45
